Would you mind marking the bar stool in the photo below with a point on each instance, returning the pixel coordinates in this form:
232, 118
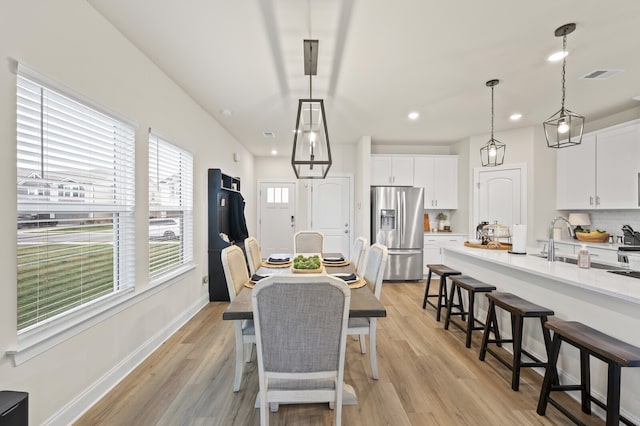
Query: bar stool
443, 272
610, 350
519, 310
472, 286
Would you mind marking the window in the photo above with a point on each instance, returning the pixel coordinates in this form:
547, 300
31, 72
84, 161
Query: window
277, 195
75, 177
170, 206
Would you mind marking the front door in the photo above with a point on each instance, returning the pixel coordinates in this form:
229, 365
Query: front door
331, 201
500, 195
276, 218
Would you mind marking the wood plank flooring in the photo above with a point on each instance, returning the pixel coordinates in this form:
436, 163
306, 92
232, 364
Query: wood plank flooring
427, 377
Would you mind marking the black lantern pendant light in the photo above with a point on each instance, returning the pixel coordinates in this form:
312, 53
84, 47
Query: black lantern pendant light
492, 152
564, 128
311, 157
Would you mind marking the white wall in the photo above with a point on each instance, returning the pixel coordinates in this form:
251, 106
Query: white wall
68, 41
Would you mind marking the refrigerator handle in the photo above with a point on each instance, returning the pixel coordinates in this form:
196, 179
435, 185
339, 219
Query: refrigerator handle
403, 216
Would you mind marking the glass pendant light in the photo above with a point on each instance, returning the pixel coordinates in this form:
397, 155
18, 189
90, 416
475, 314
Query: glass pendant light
492, 152
311, 157
564, 128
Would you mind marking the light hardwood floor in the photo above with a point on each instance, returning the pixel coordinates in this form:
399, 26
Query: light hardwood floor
427, 377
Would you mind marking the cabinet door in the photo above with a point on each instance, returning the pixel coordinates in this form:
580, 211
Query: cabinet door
380, 171
576, 175
402, 171
431, 252
618, 167
445, 178
423, 178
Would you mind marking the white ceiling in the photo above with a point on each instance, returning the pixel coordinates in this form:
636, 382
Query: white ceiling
380, 59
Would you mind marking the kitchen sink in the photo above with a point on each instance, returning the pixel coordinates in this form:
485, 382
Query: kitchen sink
594, 265
627, 273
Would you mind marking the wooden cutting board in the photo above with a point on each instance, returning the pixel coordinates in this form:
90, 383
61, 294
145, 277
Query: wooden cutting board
503, 246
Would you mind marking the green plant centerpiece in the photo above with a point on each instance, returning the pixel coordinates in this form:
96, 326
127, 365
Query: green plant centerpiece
441, 216
306, 262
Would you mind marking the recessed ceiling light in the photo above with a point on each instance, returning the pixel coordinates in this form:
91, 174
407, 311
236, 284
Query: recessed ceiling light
557, 56
268, 134
274, 152
515, 116
226, 111
413, 115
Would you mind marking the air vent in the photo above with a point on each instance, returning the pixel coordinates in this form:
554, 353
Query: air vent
601, 74
268, 134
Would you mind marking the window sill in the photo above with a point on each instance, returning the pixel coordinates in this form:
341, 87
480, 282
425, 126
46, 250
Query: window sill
46, 336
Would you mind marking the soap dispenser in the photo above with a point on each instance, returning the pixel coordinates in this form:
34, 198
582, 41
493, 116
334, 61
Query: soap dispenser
584, 260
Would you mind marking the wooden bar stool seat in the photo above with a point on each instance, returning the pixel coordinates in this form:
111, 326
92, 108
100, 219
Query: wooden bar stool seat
590, 342
443, 272
519, 309
472, 286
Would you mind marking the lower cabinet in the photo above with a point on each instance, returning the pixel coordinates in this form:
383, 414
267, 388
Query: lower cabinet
432, 243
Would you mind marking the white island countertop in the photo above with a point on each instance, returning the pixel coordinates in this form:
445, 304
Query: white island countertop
595, 280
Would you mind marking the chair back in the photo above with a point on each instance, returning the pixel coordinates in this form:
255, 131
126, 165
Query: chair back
254, 257
308, 242
374, 264
358, 253
235, 269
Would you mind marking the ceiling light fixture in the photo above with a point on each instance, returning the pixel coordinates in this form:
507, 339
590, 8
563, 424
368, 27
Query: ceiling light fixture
413, 115
492, 152
564, 128
311, 157
515, 116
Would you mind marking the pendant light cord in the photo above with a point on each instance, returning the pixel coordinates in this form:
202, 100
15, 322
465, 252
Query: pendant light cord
564, 65
491, 113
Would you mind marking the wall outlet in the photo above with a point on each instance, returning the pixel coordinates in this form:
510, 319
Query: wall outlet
205, 279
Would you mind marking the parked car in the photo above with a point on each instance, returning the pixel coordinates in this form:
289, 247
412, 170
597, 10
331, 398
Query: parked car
39, 220
164, 228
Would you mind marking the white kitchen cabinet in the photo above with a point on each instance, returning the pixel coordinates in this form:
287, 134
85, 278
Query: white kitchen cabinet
438, 175
433, 241
391, 170
602, 172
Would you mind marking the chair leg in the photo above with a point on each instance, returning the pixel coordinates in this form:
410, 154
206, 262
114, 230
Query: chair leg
613, 394
426, 290
372, 350
239, 356
471, 322
442, 293
363, 344
248, 351
585, 382
487, 330
517, 350
550, 375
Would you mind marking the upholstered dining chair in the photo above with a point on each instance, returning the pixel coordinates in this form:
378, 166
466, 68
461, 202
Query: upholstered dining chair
358, 253
300, 342
374, 264
236, 274
254, 258
308, 242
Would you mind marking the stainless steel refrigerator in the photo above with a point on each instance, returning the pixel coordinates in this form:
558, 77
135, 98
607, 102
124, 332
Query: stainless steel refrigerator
397, 221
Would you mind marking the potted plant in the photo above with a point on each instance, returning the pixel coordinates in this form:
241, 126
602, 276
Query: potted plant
441, 221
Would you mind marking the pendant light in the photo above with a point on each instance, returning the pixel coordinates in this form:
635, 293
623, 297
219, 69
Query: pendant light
311, 157
492, 152
564, 128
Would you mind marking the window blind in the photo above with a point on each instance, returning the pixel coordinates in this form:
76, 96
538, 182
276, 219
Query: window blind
170, 206
75, 186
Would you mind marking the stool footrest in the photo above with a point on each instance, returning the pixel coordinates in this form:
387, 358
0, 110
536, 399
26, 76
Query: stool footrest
566, 412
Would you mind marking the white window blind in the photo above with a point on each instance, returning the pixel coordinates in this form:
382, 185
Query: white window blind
170, 206
75, 185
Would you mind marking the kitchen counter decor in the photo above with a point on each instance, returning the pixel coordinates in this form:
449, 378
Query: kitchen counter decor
593, 237
492, 245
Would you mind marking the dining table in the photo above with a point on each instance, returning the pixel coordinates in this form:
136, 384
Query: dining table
364, 304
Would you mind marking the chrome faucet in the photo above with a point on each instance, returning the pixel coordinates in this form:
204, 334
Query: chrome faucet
551, 253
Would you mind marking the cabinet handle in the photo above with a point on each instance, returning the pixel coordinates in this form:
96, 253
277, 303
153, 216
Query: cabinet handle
597, 200
436, 203
590, 201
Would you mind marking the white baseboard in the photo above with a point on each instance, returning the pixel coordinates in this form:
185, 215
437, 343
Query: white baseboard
79, 405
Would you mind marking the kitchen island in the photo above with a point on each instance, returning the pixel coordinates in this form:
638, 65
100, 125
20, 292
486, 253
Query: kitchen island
602, 300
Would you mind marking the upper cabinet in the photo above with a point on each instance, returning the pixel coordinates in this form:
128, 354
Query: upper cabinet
395, 170
438, 175
602, 172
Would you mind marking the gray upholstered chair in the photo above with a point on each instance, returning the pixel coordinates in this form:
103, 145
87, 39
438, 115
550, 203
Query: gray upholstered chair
308, 242
254, 258
374, 265
236, 274
300, 342
358, 253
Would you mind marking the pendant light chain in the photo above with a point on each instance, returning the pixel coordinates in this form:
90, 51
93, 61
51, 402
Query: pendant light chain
564, 65
492, 112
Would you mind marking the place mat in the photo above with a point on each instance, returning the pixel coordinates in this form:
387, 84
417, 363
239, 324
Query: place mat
276, 265
331, 263
360, 283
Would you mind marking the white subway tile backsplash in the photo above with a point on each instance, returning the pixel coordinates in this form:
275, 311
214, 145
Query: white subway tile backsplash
612, 220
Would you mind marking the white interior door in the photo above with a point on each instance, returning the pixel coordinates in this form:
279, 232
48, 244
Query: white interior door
500, 195
331, 201
276, 218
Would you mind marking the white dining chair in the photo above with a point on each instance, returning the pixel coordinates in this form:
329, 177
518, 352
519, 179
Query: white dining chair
374, 266
236, 274
300, 342
254, 258
308, 242
358, 253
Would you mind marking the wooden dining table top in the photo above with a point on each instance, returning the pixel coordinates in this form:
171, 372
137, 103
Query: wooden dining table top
364, 303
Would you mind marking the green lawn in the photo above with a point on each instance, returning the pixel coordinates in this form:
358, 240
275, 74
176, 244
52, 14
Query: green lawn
54, 278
